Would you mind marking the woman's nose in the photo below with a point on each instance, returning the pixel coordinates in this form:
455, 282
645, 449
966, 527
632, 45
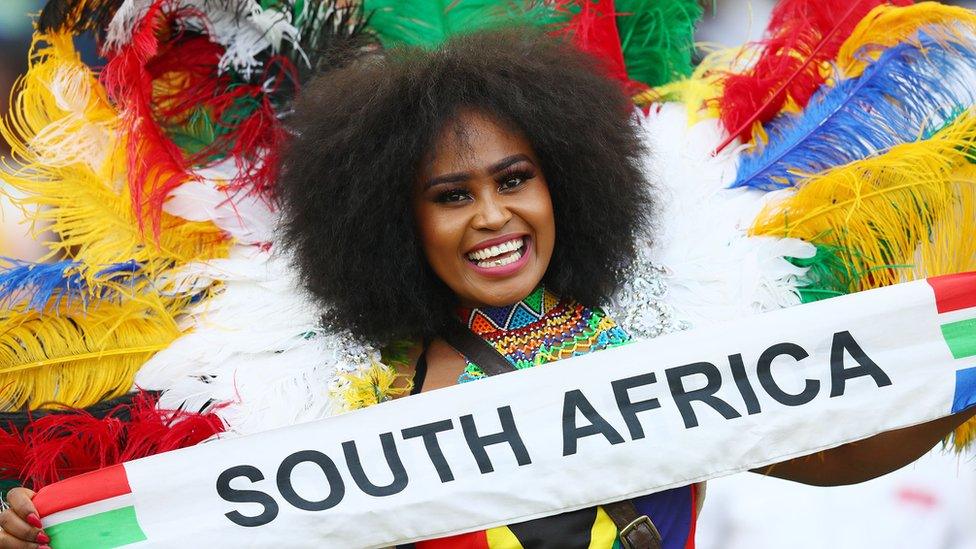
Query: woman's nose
492, 214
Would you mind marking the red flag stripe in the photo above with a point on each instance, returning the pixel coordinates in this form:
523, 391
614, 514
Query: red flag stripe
471, 540
954, 292
82, 489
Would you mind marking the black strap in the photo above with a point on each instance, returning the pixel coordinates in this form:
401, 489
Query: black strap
420, 370
476, 349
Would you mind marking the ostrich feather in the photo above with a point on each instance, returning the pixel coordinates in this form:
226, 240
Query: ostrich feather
67, 357
68, 164
697, 91
164, 86
593, 29
256, 347
908, 90
331, 31
428, 23
716, 271
248, 218
826, 275
66, 443
801, 36
62, 283
245, 28
155, 164
657, 38
899, 215
887, 26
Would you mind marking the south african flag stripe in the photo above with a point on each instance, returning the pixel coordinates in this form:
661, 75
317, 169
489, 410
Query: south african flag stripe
955, 301
92, 511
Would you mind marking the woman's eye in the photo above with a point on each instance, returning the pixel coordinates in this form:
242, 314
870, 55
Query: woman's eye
512, 182
514, 179
452, 195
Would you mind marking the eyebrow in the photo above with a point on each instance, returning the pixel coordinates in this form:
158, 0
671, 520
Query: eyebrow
460, 177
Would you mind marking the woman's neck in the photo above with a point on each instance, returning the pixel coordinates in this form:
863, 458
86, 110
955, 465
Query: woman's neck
508, 317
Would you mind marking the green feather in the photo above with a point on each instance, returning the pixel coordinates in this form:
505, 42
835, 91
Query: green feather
827, 274
428, 23
834, 271
658, 38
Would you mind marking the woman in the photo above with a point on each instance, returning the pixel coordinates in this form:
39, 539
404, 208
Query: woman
493, 185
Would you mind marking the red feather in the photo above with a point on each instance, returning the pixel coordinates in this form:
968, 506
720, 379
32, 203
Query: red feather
62, 445
155, 163
802, 34
593, 29
253, 141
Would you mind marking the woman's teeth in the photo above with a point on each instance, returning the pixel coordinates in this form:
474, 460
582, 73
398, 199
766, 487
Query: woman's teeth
496, 256
510, 258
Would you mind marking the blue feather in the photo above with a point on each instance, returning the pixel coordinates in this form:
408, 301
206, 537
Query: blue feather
38, 283
907, 91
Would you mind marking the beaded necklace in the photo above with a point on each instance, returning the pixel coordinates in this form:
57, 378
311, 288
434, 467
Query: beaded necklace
539, 329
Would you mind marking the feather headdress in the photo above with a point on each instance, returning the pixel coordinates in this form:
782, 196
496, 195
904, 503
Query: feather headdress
180, 133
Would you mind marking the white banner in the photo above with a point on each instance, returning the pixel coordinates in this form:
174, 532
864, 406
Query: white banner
603, 427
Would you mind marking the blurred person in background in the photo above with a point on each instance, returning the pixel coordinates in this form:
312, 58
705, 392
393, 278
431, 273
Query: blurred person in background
16, 240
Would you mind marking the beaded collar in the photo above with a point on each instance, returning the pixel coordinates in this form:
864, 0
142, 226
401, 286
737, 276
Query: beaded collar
539, 329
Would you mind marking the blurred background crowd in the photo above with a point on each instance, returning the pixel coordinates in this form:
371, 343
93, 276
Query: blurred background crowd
928, 505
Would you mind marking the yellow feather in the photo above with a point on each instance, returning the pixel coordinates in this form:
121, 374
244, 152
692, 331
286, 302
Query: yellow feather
69, 162
376, 384
883, 210
886, 26
75, 356
964, 435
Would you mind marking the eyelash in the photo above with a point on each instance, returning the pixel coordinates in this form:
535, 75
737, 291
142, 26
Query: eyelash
459, 193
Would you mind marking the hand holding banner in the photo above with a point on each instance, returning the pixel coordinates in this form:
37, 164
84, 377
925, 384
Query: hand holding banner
593, 429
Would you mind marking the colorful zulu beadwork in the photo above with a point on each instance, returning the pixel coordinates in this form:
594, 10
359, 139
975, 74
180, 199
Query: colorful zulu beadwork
539, 329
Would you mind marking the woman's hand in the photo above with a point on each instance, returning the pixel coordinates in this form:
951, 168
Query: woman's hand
20, 526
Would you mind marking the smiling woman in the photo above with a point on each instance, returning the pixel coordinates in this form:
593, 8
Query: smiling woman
469, 210
499, 182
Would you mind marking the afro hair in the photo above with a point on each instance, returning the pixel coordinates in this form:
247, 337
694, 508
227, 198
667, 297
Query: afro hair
362, 130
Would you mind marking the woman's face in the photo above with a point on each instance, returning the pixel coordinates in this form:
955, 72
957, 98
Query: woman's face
484, 215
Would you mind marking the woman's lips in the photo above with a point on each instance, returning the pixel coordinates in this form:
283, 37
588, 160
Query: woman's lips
502, 259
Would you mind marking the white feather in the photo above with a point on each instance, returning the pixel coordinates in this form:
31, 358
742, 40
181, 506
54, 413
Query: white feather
260, 29
123, 23
716, 271
248, 218
255, 349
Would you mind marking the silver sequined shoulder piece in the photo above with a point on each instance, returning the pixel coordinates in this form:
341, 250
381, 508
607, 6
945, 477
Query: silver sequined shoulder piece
640, 305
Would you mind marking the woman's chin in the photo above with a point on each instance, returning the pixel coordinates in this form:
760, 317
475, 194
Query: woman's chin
499, 293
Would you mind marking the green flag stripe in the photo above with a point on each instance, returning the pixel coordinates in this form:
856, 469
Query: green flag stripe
961, 337
113, 528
